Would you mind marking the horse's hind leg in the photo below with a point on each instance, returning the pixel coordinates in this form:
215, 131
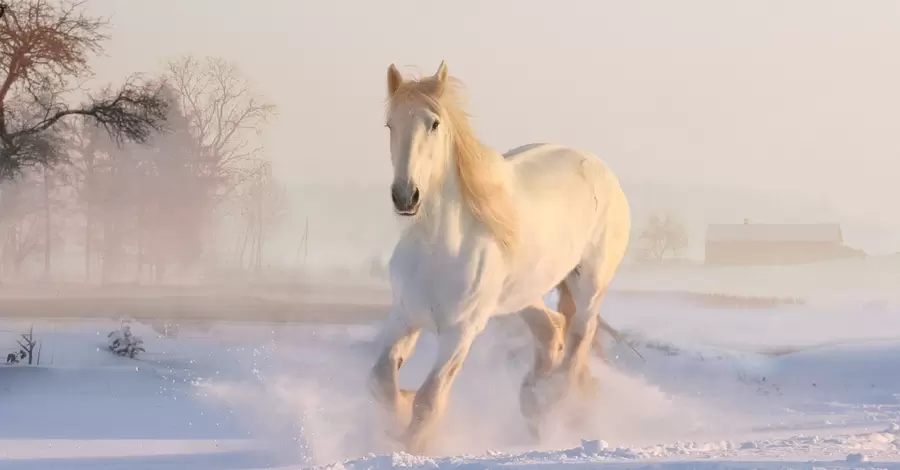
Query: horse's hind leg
431, 399
566, 303
548, 328
399, 342
587, 292
568, 308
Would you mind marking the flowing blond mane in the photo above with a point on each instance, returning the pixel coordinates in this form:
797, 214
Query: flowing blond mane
482, 187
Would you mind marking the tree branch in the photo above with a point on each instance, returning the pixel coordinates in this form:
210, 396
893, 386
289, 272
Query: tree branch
45, 45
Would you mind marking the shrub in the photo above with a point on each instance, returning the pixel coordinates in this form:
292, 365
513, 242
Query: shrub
123, 343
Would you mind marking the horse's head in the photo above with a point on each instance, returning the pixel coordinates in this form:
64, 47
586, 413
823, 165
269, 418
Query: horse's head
420, 137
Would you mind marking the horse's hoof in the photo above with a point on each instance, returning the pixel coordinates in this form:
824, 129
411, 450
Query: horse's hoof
405, 406
397, 441
392, 427
588, 385
414, 445
553, 388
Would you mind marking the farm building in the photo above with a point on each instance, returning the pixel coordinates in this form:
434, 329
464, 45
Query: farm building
749, 244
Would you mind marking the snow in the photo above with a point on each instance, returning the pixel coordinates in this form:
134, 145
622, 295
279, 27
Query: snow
845, 283
799, 386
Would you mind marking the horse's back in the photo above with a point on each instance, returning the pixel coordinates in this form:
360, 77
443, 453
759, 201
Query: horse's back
512, 153
559, 156
556, 166
572, 211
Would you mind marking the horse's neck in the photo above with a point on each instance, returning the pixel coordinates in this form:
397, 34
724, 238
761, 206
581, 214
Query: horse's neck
446, 217
444, 213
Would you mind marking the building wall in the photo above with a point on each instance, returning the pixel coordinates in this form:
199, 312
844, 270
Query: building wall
762, 252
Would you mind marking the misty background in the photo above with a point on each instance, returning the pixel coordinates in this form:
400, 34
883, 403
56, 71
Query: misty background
717, 112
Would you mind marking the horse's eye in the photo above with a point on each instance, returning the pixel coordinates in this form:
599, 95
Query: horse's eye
434, 125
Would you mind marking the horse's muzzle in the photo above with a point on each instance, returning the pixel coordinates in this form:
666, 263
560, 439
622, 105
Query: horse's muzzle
405, 198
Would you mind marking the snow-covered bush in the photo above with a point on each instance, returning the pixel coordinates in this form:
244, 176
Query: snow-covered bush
15, 358
123, 343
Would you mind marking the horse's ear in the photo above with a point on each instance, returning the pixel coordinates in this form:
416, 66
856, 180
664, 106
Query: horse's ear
441, 75
394, 80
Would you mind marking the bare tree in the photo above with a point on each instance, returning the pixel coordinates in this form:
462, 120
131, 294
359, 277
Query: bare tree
224, 114
45, 46
662, 234
142, 205
20, 219
262, 203
162, 210
53, 180
27, 343
85, 146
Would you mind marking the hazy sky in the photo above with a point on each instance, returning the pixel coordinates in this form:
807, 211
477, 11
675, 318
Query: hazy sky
795, 100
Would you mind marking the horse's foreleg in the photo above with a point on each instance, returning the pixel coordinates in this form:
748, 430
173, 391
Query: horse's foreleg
431, 399
399, 342
548, 328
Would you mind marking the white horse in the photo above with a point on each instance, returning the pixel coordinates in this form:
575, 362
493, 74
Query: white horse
489, 234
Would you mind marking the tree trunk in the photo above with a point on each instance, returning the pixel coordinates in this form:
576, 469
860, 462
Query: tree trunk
88, 226
140, 253
244, 245
141, 218
88, 210
106, 258
8, 252
259, 231
20, 257
48, 232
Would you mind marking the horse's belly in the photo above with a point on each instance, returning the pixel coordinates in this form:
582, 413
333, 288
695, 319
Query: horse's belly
528, 287
516, 300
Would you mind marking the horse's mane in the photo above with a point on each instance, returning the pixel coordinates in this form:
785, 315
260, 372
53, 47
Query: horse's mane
481, 187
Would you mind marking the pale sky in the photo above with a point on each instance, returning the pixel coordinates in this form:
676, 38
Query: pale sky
797, 102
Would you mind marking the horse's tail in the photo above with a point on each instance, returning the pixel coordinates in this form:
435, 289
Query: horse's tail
617, 336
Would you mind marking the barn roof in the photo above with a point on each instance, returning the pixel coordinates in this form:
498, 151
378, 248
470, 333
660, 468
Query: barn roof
774, 232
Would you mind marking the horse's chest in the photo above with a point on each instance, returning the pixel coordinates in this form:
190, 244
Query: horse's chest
437, 285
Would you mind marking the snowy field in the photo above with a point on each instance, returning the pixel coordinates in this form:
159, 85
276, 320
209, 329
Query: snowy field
842, 282
804, 386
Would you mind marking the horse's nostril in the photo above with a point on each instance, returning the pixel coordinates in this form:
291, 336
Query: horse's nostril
415, 196
394, 196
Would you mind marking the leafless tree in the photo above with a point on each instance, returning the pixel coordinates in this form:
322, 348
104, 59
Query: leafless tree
85, 146
224, 115
53, 202
175, 195
27, 343
142, 205
45, 46
263, 203
20, 220
664, 233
